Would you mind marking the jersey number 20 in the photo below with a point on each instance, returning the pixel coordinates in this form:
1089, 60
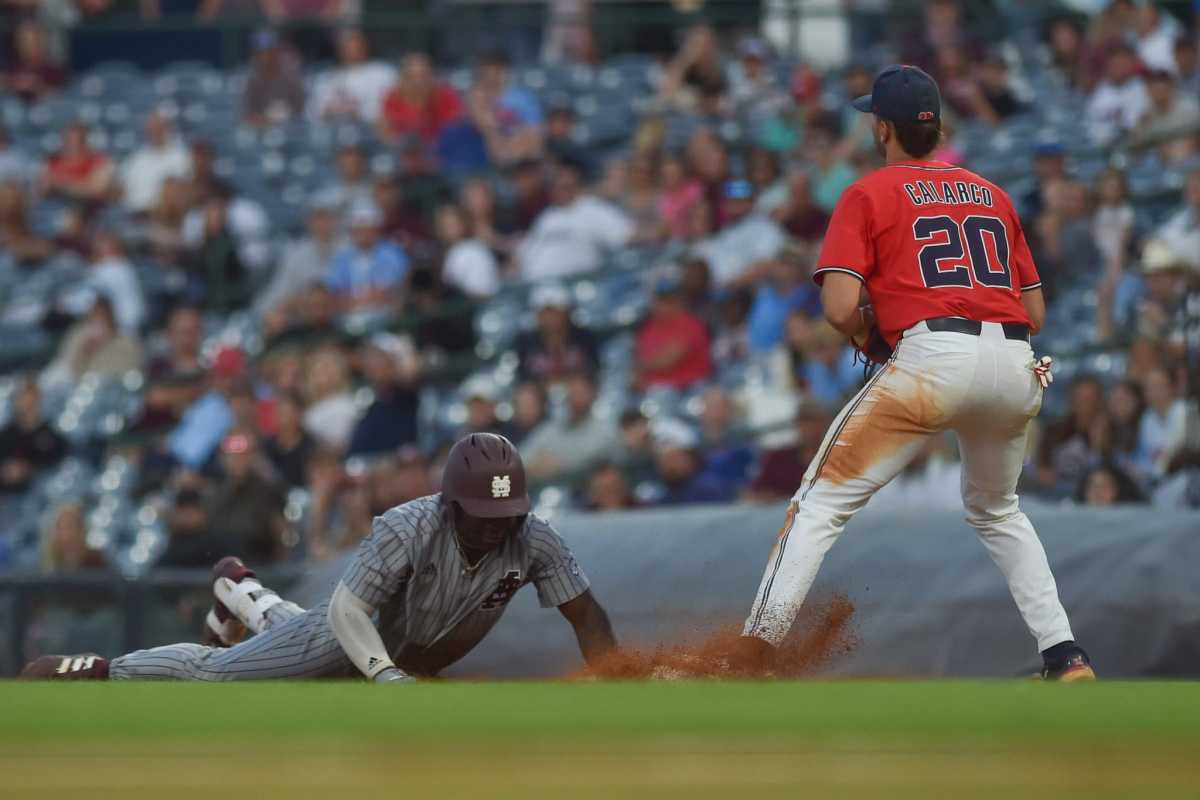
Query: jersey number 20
972, 230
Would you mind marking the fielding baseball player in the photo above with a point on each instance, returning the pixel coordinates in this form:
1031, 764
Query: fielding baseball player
953, 289
422, 590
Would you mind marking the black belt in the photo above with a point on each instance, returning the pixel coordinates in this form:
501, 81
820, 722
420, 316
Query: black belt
971, 327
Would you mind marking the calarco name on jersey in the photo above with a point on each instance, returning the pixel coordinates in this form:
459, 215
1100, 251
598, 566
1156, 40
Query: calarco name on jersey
957, 193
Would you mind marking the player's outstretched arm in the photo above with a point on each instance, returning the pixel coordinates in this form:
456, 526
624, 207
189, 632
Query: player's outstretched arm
350, 619
592, 626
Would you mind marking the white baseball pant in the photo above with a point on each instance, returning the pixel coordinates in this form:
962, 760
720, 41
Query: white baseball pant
982, 388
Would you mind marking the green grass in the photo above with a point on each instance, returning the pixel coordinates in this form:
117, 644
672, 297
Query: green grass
1011, 739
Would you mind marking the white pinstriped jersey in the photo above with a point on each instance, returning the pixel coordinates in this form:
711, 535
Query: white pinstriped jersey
432, 609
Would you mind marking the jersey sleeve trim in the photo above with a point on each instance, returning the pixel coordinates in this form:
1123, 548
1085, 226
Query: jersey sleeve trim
819, 275
1031, 286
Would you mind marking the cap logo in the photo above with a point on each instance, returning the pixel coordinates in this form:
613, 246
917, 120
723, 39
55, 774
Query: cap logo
501, 486
924, 115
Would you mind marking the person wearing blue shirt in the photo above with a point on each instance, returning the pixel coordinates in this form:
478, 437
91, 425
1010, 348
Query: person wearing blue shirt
368, 268
787, 290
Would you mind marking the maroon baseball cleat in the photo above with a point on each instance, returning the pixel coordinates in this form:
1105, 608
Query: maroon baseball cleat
85, 667
221, 627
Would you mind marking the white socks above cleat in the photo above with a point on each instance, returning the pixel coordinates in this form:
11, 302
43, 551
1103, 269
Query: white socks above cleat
248, 601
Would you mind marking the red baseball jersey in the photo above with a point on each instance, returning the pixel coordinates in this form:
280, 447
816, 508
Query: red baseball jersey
930, 240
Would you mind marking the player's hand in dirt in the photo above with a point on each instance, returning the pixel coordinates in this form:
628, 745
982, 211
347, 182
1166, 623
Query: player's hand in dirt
393, 675
1041, 371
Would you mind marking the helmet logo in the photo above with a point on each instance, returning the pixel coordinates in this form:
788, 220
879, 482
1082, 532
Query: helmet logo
501, 486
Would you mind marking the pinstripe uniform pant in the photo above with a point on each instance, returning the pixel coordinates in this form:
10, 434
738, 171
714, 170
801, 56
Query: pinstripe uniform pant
295, 644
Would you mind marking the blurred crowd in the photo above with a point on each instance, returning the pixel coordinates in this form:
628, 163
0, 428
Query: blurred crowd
360, 352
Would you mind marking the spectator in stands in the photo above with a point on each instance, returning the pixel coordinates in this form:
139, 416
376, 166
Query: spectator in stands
1120, 101
695, 286
747, 240
161, 156
330, 412
635, 449
31, 74
418, 104
312, 318
728, 455
678, 462
112, 276
1067, 54
355, 88
217, 275
468, 264
777, 473
204, 181
367, 270
305, 260
77, 172
481, 397
65, 549
998, 101
391, 368
1164, 423
731, 340
444, 317
506, 116
529, 410
246, 220
672, 347
561, 127
17, 237
696, 71
530, 195
162, 232
826, 370
291, 447
405, 221
28, 444
174, 378
191, 541
1182, 230
1170, 116
274, 90
351, 186
1108, 485
1049, 167
785, 287
1155, 34
248, 504
754, 90
557, 347
1187, 65
608, 490
831, 173
1070, 446
632, 185
574, 233
1126, 405
565, 447
1112, 221
94, 344
1062, 242
799, 213
210, 417
679, 194
478, 201
1152, 304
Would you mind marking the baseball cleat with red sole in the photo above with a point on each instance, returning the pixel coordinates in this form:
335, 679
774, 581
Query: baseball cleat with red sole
84, 667
221, 627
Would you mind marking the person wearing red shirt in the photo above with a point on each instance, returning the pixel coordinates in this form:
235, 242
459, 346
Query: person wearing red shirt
672, 345
939, 253
77, 171
419, 104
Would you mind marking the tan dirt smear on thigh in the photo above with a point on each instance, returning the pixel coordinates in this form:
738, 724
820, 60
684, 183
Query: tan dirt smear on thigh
822, 632
899, 408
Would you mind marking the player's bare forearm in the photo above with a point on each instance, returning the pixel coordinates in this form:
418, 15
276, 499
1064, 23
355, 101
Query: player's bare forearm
839, 297
592, 626
1035, 306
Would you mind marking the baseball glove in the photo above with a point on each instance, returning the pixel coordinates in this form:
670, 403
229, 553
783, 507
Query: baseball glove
873, 348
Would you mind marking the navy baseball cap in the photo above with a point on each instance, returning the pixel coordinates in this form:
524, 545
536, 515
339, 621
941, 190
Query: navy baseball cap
903, 93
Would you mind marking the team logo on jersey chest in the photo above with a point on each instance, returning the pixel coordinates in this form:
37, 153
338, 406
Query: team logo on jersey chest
501, 486
504, 590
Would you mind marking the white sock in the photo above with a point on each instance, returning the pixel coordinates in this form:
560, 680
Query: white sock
248, 601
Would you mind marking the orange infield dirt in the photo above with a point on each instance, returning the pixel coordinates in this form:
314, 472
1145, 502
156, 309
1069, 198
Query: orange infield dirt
822, 633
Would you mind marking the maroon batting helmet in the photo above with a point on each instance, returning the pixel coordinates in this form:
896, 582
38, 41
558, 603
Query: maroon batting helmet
484, 474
